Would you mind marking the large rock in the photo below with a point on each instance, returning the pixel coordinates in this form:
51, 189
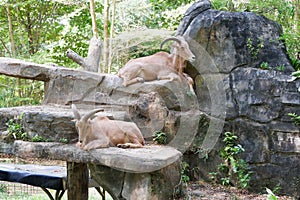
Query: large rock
146, 173
256, 102
153, 106
152, 172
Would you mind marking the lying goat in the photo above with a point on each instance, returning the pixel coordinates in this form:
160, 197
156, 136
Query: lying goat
161, 65
100, 132
140, 72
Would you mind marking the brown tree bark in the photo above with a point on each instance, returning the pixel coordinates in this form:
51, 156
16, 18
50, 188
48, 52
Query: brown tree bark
112, 23
29, 33
105, 37
77, 181
93, 16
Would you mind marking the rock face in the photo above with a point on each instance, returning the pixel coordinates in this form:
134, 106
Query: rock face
237, 47
234, 93
154, 106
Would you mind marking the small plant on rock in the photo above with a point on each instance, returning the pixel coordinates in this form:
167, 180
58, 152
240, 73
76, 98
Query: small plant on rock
159, 137
255, 49
264, 65
38, 138
233, 170
271, 195
15, 130
295, 118
184, 172
280, 67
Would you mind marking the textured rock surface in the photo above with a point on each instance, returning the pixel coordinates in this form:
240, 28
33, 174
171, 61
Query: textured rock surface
157, 185
140, 160
232, 89
154, 106
257, 101
144, 173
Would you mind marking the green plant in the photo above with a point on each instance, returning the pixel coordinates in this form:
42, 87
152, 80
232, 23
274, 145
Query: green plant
63, 140
296, 74
296, 64
184, 171
233, 170
264, 65
15, 130
159, 137
295, 118
280, 67
271, 195
3, 188
255, 49
38, 138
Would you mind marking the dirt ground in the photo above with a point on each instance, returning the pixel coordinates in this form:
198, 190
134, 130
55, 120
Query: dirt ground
194, 191
205, 191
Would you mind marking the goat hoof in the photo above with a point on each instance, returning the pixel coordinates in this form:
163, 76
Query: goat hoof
139, 79
124, 146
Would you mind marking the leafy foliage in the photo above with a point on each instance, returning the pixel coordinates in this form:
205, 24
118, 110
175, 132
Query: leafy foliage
184, 172
160, 137
271, 195
233, 171
15, 130
18, 92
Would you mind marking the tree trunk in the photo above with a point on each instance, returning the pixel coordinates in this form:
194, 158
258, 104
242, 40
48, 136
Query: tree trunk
112, 23
93, 16
29, 34
11, 34
106, 37
93, 58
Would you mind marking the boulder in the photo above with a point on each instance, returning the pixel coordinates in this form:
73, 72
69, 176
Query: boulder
234, 85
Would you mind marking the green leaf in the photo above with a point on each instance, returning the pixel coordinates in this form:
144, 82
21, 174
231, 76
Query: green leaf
271, 195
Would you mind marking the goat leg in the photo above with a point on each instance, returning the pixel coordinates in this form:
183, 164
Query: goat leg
132, 81
170, 77
96, 144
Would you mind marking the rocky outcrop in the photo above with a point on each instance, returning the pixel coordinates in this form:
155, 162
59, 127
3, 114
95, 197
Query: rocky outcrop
146, 173
242, 85
143, 173
244, 50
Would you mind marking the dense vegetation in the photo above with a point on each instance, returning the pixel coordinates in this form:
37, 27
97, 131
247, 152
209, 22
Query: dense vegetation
42, 30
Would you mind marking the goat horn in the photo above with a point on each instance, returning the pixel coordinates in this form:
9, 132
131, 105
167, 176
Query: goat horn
168, 39
75, 112
90, 114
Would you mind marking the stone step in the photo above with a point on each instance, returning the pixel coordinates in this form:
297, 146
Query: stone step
52, 122
140, 160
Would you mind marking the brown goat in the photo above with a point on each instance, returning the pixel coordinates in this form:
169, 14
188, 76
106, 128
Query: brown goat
161, 65
100, 132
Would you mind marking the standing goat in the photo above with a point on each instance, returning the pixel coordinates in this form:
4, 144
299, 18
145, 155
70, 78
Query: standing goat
161, 65
100, 132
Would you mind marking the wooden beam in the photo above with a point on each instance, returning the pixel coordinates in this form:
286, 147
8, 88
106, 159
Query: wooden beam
77, 181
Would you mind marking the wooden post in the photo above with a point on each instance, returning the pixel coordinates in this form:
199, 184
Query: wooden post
77, 181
